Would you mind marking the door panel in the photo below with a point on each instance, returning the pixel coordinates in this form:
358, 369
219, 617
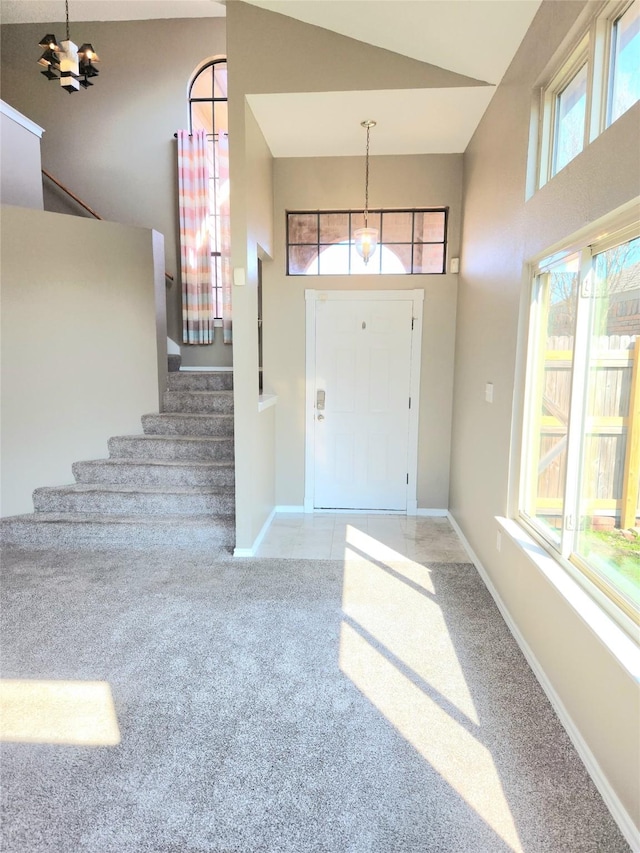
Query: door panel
363, 364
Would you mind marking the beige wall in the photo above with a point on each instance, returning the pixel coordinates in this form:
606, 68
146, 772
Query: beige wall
337, 182
251, 182
79, 343
501, 232
20, 178
113, 144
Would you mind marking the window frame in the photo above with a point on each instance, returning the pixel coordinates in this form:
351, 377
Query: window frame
375, 212
579, 57
588, 247
594, 46
614, 15
216, 280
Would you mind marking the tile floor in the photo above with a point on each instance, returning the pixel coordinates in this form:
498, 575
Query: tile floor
325, 536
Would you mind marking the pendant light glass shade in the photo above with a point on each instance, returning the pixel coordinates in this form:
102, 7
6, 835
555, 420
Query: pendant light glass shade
366, 239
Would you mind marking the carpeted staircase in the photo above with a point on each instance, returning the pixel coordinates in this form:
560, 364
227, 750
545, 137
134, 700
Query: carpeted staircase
171, 485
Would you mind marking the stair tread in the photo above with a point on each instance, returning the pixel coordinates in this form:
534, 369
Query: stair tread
148, 437
194, 415
222, 392
79, 517
116, 488
160, 463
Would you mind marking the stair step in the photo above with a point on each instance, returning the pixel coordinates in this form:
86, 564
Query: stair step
130, 472
73, 530
128, 500
197, 380
166, 448
199, 402
181, 423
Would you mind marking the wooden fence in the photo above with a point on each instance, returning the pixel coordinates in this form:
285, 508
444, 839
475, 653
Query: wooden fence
611, 456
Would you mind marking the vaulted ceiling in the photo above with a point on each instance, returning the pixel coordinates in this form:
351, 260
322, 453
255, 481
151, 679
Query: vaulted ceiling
476, 38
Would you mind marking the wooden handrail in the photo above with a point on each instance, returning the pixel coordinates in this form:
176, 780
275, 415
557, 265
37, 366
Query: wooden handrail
72, 195
83, 204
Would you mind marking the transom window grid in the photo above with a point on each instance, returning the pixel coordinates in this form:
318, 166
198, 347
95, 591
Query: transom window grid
598, 82
208, 111
580, 488
411, 242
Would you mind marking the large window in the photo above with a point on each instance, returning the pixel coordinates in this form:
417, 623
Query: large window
580, 484
598, 82
208, 111
411, 242
625, 62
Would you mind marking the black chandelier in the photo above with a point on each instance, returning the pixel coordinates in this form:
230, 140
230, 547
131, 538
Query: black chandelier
67, 62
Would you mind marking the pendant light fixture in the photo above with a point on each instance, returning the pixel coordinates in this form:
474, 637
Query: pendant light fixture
67, 62
366, 239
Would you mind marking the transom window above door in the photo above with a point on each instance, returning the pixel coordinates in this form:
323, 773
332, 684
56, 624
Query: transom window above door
411, 242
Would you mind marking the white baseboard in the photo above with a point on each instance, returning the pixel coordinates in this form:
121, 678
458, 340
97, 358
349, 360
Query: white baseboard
432, 513
280, 509
251, 552
612, 801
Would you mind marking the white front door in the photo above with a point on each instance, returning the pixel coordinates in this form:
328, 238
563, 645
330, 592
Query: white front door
363, 350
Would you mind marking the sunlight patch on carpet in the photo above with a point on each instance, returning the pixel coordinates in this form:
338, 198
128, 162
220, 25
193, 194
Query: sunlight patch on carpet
81, 713
396, 648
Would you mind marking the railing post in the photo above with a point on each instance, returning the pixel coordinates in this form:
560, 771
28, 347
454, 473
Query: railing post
631, 474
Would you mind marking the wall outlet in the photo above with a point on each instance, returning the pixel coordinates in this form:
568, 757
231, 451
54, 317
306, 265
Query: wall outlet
454, 266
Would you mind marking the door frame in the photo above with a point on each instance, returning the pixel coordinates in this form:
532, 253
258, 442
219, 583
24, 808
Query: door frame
312, 297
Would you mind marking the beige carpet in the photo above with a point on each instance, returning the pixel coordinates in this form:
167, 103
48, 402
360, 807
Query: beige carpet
163, 703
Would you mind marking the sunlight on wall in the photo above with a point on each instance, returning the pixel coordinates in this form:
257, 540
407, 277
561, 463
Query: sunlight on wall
395, 647
63, 712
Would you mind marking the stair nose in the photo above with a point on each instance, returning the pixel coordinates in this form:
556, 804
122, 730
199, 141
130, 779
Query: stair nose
127, 500
171, 448
198, 402
187, 423
200, 380
75, 530
135, 472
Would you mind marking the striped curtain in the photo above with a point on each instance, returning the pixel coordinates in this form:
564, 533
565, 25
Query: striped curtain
198, 309
225, 235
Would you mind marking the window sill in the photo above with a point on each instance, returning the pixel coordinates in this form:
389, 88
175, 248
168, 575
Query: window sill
265, 401
618, 641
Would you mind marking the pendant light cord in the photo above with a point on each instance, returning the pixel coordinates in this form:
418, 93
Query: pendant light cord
66, 11
366, 184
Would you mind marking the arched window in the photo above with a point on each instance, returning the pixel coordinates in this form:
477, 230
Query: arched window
208, 111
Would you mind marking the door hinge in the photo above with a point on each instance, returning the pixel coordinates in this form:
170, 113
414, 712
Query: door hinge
407, 479
413, 319
409, 402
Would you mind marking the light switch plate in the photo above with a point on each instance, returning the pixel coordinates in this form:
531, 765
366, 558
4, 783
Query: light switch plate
488, 392
239, 278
